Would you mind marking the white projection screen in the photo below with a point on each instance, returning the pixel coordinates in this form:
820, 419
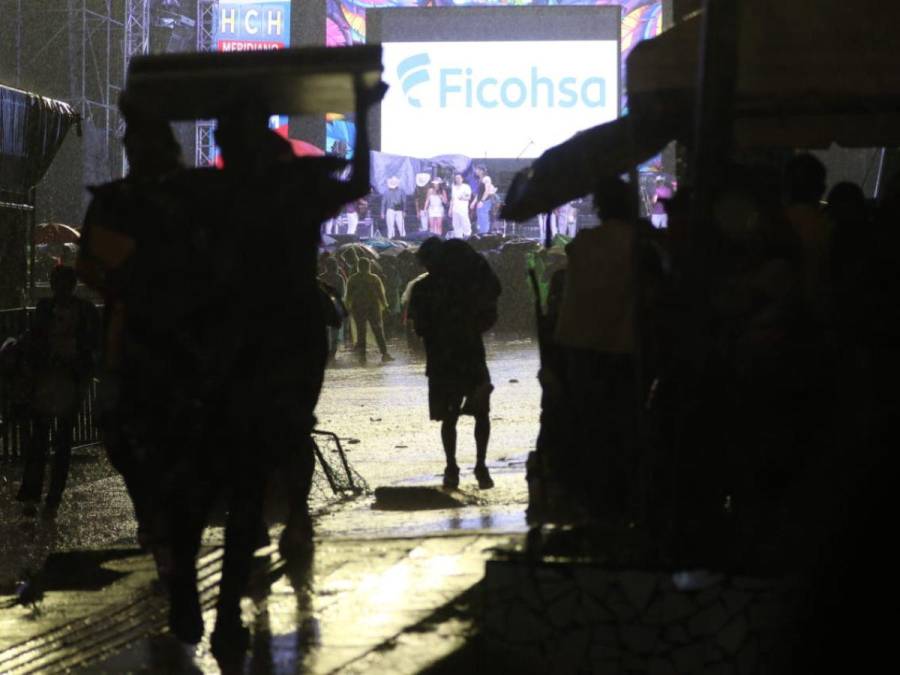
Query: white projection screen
498, 82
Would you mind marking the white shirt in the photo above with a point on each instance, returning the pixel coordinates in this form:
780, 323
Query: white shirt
460, 196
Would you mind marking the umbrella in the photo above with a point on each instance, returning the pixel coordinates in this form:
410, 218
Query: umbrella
387, 246
362, 250
304, 149
298, 147
56, 233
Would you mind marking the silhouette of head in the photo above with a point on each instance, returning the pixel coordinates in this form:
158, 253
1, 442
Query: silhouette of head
847, 203
244, 137
150, 145
364, 265
804, 180
429, 252
611, 197
63, 281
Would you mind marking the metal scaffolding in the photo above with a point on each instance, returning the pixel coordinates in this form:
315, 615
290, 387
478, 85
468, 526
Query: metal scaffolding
136, 43
137, 29
205, 146
95, 74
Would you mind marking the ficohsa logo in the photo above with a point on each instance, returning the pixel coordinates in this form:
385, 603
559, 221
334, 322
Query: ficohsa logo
413, 71
472, 87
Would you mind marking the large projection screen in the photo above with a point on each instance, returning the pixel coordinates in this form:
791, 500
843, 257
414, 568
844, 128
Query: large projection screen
494, 82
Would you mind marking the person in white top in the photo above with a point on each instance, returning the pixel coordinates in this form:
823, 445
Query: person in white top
434, 203
545, 219
460, 195
567, 219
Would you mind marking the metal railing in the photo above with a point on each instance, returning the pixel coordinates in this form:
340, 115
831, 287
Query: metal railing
15, 427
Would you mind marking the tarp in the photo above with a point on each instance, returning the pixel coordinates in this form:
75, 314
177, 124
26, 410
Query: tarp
405, 168
32, 128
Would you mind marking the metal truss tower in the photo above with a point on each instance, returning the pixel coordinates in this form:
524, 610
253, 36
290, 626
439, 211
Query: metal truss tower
137, 29
136, 43
205, 146
96, 78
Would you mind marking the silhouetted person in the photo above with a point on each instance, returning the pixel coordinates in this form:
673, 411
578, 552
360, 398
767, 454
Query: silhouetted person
804, 186
16, 383
337, 286
850, 253
123, 216
596, 326
63, 344
451, 308
367, 301
269, 346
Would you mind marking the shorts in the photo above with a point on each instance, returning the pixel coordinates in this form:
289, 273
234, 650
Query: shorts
449, 399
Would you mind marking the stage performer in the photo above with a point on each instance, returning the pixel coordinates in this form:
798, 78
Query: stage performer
546, 220
485, 205
435, 203
352, 215
393, 206
477, 189
662, 194
460, 196
421, 198
567, 219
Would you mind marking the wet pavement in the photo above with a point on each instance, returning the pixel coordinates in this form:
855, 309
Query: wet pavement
388, 591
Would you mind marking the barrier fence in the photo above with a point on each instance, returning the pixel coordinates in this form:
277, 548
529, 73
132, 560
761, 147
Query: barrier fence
14, 425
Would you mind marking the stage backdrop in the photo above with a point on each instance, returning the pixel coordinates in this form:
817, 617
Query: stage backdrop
346, 24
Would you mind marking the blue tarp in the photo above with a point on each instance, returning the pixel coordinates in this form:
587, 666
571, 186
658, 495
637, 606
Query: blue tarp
32, 128
405, 168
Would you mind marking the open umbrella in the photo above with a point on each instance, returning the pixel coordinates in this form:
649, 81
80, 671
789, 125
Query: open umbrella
362, 250
304, 149
55, 233
298, 147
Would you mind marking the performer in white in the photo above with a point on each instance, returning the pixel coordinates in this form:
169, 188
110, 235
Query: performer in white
567, 219
460, 195
421, 199
543, 220
352, 216
393, 205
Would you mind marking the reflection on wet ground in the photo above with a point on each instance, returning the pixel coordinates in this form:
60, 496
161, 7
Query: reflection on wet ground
387, 589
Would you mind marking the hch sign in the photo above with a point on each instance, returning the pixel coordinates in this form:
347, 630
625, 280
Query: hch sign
243, 25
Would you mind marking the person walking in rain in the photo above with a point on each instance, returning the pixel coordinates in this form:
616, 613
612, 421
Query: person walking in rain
336, 286
64, 340
451, 308
367, 301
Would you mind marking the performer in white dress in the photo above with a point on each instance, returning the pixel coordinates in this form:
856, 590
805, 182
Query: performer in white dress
460, 196
437, 198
